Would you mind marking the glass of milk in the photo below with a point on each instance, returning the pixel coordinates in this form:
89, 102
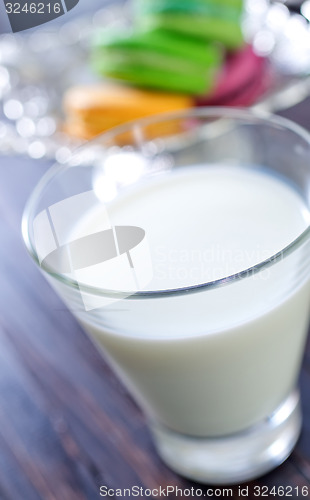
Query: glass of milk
182, 245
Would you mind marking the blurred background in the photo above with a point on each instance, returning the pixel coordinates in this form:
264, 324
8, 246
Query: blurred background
62, 83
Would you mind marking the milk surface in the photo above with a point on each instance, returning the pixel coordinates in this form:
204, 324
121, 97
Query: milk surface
206, 224
218, 361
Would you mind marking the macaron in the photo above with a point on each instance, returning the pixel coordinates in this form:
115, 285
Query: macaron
219, 20
92, 109
158, 59
244, 78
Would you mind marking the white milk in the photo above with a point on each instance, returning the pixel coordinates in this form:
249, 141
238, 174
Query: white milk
218, 361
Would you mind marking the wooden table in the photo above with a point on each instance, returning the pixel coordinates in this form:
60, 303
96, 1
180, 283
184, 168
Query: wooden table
67, 426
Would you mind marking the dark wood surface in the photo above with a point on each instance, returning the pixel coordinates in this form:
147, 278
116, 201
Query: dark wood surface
67, 426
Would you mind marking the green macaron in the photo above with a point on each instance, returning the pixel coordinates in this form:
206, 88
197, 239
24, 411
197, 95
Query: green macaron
158, 59
207, 20
226, 9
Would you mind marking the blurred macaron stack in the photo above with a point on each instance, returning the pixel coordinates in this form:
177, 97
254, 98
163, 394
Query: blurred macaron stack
177, 54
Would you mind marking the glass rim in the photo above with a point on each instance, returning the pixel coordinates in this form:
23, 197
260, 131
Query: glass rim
201, 112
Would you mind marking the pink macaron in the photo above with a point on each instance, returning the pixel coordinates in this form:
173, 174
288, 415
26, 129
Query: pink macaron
244, 78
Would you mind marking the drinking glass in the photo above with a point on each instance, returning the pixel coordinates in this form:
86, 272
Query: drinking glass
213, 364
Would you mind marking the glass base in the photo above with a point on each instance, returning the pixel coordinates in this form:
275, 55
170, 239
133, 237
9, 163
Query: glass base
235, 458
